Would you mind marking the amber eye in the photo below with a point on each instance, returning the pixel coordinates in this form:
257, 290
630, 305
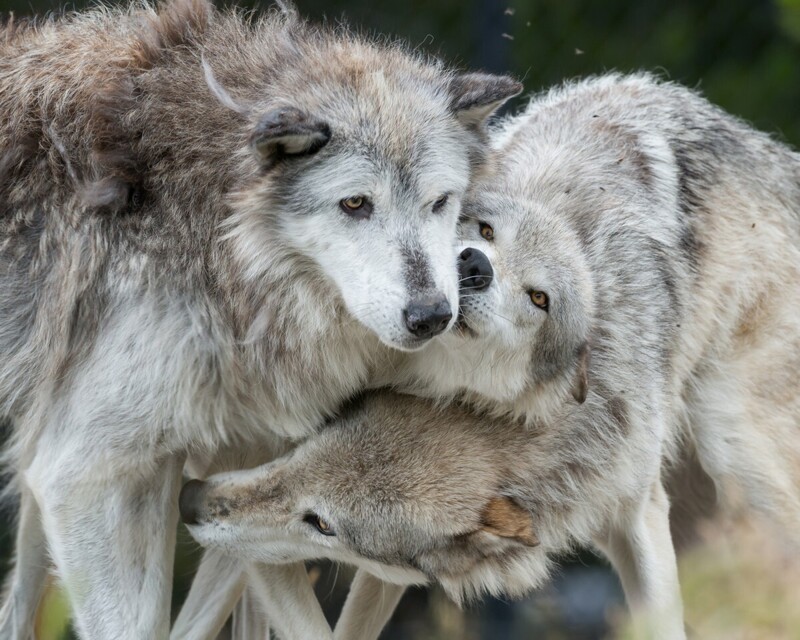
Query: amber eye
487, 233
356, 206
540, 299
319, 524
439, 204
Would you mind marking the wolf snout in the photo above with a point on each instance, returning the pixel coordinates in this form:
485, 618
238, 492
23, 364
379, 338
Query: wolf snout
474, 270
428, 317
190, 500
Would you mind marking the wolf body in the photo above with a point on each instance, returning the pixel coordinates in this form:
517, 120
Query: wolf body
641, 321
210, 228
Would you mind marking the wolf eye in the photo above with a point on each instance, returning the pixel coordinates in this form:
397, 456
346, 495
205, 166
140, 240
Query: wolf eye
440, 202
487, 233
540, 299
319, 524
356, 206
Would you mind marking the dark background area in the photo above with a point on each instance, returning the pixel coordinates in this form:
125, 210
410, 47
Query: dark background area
743, 54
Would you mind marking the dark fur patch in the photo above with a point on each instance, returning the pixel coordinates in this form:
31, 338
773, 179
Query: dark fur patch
114, 168
417, 269
668, 279
13, 159
631, 150
618, 409
698, 156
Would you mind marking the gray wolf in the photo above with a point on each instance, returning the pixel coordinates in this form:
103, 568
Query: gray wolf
637, 320
210, 226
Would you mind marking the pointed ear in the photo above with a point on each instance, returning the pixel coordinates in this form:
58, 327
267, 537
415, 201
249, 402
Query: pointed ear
580, 385
504, 518
476, 96
288, 131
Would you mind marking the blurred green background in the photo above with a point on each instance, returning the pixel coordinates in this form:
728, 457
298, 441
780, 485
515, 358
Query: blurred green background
743, 54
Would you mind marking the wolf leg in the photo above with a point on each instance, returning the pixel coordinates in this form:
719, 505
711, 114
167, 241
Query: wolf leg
274, 594
110, 526
643, 555
369, 605
216, 587
29, 575
289, 600
249, 620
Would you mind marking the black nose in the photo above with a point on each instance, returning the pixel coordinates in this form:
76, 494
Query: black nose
427, 317
189, 500
474, 270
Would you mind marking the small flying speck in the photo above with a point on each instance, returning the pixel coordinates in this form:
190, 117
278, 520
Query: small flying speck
578, 52
508, 36
510, 11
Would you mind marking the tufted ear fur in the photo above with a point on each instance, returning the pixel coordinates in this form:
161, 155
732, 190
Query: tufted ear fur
504, 518
580, 384
288, 131
476, 96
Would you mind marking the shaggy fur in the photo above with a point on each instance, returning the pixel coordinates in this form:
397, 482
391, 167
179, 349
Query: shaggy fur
666, 236
178, 270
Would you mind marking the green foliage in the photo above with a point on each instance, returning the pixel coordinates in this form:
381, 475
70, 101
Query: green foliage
743, 54
790, 17
54, 615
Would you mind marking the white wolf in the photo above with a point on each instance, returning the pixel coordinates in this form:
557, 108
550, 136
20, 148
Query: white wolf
210, 228
641, 311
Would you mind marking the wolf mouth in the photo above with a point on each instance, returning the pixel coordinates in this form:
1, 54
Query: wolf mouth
462, 328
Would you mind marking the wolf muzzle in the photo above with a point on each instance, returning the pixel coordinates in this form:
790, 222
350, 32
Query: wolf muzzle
475, 271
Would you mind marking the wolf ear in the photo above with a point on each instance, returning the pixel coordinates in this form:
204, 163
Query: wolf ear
504, 518
476, 96
287, 131
580, 384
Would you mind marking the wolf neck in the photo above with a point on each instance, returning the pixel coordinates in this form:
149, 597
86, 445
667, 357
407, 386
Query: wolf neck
301, 352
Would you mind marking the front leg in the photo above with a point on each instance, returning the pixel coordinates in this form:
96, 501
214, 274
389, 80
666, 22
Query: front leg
640, 549
111, 530
28, 576
288, 599
216, 588
249, 622
369, 605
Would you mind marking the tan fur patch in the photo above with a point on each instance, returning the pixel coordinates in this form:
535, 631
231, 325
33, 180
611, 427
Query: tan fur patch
505, 518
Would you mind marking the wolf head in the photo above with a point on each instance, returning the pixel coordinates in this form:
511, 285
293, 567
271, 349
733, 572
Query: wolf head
526, 302
527, 265
358, 157
398, 487
522, 339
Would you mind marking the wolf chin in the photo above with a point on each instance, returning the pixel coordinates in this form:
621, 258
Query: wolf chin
210, 229
636, 308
